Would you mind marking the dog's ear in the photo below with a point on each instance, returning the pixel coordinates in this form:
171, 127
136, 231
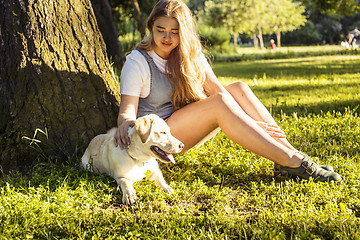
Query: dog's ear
143, 128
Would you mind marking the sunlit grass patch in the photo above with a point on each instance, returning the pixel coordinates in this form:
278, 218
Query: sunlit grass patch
222, 191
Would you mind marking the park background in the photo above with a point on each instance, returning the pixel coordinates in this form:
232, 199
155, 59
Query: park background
310, 85
250, 23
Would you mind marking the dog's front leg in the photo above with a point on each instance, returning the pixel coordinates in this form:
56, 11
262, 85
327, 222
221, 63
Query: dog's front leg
128, 191
160, 182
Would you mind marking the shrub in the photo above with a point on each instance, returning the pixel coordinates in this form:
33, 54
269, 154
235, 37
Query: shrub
128, 41
307, 35
214, 38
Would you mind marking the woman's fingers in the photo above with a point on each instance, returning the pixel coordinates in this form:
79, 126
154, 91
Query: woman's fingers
118, 139
276, 135
125, 141
272, 129
121, 137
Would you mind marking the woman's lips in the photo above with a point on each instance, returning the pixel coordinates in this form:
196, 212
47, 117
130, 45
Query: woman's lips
166, 44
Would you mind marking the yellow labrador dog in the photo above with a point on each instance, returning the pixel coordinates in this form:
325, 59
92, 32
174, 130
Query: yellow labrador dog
150, 140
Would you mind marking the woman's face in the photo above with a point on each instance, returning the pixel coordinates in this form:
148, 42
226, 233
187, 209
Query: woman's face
166, 35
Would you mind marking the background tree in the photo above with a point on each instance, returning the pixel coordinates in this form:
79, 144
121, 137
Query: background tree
256, 20
254, 17
285, 16
138, 18
342, 7
104, 17
195, 5
55, 76
307, 35
130, 29
329, 26
216, 14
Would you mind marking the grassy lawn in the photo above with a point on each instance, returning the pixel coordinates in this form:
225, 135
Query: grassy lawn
221, 190
246, 53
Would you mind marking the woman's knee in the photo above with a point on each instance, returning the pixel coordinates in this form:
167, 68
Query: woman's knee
223, 100
238, 87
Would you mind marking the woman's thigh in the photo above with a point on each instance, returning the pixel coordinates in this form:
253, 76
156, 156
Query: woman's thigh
194, 122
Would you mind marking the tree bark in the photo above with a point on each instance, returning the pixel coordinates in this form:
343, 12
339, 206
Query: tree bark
138, 18
256, 41
55, 77
108, 30
260, 37
278, 38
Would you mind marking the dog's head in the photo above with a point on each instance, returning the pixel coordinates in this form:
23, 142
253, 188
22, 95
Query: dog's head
153, 138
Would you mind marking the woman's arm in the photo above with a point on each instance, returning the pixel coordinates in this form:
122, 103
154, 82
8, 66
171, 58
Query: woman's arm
126, 118
212, 84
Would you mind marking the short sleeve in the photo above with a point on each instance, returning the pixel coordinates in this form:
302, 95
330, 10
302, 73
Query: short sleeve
135, 76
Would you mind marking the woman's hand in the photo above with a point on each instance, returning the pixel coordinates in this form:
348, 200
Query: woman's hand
126, 119
121, 137
272, 130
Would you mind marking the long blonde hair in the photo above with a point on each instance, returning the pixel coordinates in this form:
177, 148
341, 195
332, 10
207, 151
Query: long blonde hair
184, 69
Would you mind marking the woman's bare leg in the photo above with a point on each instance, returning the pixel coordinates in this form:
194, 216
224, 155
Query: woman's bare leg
195, 121
245, 97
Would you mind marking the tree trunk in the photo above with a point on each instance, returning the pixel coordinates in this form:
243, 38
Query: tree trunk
260, 36
256, 42
278, 39
138, 18
108, 30
55, 77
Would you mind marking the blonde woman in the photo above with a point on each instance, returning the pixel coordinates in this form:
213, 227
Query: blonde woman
168, 75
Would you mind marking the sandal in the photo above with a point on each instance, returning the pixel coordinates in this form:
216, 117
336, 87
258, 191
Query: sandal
309, 169
326, 167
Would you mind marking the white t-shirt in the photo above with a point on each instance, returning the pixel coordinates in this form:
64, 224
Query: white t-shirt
135, 75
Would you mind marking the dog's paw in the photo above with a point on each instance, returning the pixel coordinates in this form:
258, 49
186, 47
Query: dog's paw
167, 189
129, 198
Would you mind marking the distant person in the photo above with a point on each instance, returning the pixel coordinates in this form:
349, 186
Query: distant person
239, 41
353, 35
272, 44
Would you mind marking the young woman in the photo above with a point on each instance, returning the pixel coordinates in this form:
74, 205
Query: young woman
168, 75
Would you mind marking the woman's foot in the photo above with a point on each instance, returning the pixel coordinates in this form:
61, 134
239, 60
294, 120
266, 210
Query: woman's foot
325, 167
309, 169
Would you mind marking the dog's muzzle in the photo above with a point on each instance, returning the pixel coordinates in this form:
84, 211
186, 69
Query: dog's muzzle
165, 156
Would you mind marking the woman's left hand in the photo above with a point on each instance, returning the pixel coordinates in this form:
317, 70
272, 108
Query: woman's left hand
272, 129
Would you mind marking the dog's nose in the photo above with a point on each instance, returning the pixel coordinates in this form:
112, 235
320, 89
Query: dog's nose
181, 146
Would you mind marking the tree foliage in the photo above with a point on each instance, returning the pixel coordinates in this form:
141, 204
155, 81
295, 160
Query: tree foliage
285, 16
343, 7
254, 17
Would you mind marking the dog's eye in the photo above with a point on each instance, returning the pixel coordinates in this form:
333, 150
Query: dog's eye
162, 132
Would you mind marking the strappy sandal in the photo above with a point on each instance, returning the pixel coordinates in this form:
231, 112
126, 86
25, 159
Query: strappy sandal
325, 167
309, 169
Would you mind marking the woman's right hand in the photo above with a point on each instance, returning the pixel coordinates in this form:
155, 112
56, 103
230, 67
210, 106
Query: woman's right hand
121, 137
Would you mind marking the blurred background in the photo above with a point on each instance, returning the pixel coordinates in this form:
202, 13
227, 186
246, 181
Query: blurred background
228, 26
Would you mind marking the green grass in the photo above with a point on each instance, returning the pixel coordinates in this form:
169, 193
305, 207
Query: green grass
221, 190
246, 53
304, 85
